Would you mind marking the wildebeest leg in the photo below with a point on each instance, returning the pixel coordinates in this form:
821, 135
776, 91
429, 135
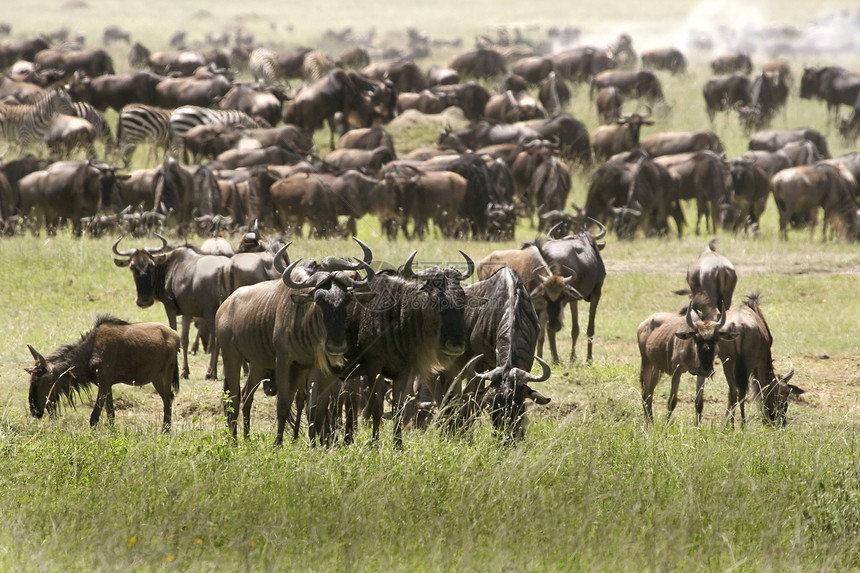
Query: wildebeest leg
700, 398
186, 322
284, 400
104, 398
301, 398
399, 392
541, 333
574, 330
648, 378
673, 393
212, 373
319, 424
255, 376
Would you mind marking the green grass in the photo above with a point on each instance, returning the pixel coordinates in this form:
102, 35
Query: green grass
590, 488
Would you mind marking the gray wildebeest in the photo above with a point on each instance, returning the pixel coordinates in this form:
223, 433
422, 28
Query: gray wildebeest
748, 356
296, 327
674, 343
547, 288
578, 255
669, 59
187, 283
501, 343
609, 140
700, 176
712, 281
750, 188
800, 191
725, 93
113, 352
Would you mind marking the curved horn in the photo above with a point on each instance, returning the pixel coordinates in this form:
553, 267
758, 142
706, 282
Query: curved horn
44, 363
788, 376
288, 280
407, 266
552, 231
543, 377
602, 231
118, 253
153, 250
469, 369
282, 253
690, 316
347, 280
470, 267
368, 254
722, 320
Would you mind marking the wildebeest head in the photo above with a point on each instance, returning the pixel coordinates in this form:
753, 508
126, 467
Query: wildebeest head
704, 334
557, 291
142, 263
332, 286
49, 381
441, 291
506, 395
774, 397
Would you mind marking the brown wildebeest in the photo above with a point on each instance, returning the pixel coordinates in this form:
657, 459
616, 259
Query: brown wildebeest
712, 281
749, 355
113, 352
800, 191
674, 343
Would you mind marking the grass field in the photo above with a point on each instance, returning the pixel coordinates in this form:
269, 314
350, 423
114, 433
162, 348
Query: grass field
590, 488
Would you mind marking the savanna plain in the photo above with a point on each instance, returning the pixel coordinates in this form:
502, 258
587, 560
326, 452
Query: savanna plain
591, 487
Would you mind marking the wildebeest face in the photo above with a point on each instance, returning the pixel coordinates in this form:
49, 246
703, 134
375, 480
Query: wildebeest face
44, 389
705, 334
142, 265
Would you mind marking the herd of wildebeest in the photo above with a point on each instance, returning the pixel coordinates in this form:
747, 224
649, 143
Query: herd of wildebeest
342, 334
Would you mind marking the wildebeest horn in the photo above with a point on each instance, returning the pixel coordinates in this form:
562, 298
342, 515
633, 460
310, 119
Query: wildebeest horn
602, 231
407, 266
347, 280
722, 321
543, 377
552, 231
153, 250
470, 267
469, 369
288, 280
119, 253
790, 372
44, 363
282, 253
368, 254
690, 316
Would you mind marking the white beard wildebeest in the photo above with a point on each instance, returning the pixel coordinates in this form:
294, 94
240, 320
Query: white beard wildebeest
113, 352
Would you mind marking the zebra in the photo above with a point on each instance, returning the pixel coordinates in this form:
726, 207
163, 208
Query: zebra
317, 64
140, 123
97, 118
26, 124
184, 118
263, 64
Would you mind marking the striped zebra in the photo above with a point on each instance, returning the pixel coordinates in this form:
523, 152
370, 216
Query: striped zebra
139, 123
263, 64
97, 118
317, 64
187, 117
26, 124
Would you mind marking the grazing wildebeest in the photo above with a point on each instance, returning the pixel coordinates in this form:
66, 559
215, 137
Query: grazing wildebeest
725, 93
548, 289
800, 191
731, 63
578, 255
712, 281
113, 352
501, 342
670, 59
674, 142
294, 327
699, 176
748, 357
772, 140
674, 343
639, 84
187, 283
768, 94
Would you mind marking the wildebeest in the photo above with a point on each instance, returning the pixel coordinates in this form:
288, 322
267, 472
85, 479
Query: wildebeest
699, 176
609, 102
833, 84
670, 59
187, 283
411, 331
578, 255
750, 188
294, 327
481, 63
674, 343
712, 280
67, 190
260, 102
674, 142
547, 288
639, 84
67, 134
115, 92
582, 63
731, 63
725, 93
90, 62
609, 140
554, 94
500, 346
772, 140
113, 352
748, 358
768, 94
800, 191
